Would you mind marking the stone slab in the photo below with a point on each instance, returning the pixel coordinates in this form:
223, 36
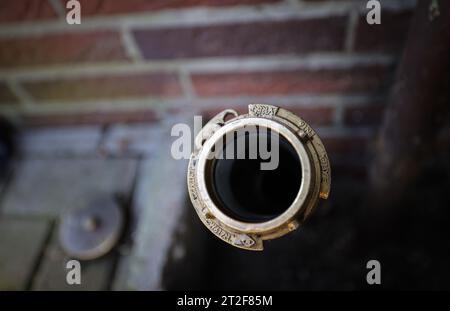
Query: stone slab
21, 243
47, 187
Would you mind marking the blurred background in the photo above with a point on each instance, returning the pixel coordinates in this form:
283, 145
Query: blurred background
86, 113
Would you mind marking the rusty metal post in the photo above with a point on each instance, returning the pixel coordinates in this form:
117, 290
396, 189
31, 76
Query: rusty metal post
411, 120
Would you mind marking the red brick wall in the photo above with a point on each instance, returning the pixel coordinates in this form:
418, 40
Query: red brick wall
143, 60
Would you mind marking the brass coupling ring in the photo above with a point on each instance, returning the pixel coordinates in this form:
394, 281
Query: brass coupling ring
242, 204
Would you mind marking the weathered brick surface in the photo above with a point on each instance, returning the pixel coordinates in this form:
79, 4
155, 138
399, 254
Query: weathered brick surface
6, 96
114, 87
46, 188
364, 115
21, 241
25, 10
90, 118
356, 79
292, 36
389, 36
107, 7
51, 49
317, 31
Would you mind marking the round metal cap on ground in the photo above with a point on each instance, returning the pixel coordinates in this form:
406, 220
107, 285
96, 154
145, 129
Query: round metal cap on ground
92, 231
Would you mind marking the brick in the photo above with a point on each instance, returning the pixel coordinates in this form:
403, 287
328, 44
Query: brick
21, 242
356, 79
51, 49
315, 116
389, 36
60, 141
25, 10
46, 187
105, 87
370, 115
108, 7
263, 38
52, 272
89, 118
6, 96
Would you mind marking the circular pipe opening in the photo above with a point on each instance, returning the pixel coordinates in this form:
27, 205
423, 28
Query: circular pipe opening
241, 190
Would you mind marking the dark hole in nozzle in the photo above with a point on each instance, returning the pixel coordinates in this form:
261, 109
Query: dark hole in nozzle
245, 192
